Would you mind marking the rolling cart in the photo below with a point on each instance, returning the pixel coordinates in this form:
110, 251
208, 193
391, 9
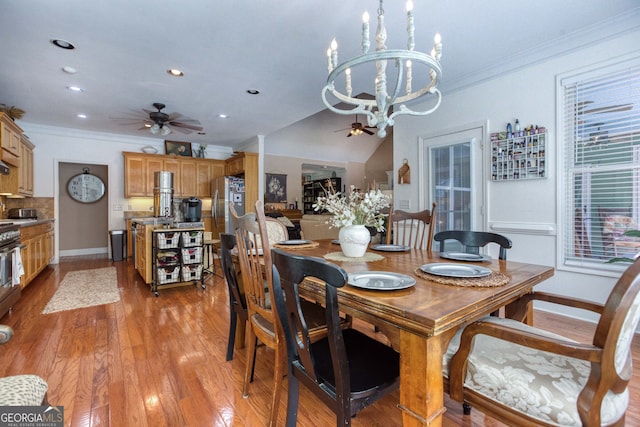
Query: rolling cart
177, 258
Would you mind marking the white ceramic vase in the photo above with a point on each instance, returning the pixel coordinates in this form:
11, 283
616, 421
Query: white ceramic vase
354, 240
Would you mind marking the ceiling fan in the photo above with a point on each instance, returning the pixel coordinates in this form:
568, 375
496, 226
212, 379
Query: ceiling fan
357, 128
158, 122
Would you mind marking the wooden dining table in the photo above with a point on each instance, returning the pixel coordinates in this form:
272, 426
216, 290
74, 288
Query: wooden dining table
421, 320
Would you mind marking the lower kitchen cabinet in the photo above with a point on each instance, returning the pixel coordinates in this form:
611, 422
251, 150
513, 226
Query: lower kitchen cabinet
38, 241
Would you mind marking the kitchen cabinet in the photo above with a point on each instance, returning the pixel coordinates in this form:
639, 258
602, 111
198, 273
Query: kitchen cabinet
19, 182
38, 241
10, 134
25, 171
143, 251
191, 176
245, 165
188, 182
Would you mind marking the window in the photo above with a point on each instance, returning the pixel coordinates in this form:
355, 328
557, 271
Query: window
600, 143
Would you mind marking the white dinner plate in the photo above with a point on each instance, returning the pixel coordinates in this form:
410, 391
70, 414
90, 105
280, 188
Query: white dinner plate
294, 242
381, 280
455, 270
390, 248
463, 256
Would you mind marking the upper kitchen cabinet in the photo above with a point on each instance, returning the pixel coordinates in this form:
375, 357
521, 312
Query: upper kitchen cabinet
10, 134
19, 182
191, 176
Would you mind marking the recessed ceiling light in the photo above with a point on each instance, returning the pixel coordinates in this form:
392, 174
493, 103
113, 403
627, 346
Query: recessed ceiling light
75, 89
81, 116
253, 91
69, 70
222, 116
175, 72
63, 44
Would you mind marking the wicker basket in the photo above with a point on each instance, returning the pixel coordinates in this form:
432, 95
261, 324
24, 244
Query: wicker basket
168, 275
192, 255
167, 257
191, 238
191, 272
168, 240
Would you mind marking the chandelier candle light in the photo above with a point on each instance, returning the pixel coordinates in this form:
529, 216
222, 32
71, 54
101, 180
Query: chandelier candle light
379, 111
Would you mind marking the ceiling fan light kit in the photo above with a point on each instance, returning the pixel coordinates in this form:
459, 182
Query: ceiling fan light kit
380, 112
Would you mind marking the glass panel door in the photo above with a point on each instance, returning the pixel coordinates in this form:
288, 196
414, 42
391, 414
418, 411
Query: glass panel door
451, 166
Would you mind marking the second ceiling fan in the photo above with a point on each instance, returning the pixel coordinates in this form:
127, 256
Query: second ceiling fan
357, 128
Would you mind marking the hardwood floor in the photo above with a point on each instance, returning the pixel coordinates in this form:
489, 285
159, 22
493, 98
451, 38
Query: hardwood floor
148, 361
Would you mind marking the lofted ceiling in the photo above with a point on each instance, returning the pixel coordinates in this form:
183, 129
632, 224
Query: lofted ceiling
125, 47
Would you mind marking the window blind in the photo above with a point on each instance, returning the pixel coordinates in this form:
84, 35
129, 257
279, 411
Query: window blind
601, 140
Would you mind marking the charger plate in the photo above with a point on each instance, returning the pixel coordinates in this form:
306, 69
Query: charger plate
492, 280
381, 280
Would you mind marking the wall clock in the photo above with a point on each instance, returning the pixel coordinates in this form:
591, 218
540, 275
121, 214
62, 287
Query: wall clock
85, 187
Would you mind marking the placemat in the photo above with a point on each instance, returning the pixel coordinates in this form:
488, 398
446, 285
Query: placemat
294, 247
339, 256
493, 280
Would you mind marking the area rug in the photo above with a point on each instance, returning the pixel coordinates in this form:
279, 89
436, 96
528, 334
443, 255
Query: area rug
85, 288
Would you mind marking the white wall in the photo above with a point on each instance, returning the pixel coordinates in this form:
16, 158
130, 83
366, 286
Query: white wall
55, 145
530, 95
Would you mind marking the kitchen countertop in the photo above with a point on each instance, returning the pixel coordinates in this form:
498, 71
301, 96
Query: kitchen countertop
26, 222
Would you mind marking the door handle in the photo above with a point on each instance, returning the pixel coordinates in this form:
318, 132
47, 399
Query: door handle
215, 207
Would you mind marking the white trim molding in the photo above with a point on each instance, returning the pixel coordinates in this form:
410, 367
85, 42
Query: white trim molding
523, 228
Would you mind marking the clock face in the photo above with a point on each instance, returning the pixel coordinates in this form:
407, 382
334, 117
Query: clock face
86, 188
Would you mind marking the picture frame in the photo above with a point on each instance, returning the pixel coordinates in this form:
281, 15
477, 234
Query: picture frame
178, 148
276, 188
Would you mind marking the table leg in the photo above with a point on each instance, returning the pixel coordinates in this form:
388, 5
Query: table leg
421, 384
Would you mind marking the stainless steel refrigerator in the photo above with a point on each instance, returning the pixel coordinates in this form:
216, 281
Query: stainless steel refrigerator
226, 189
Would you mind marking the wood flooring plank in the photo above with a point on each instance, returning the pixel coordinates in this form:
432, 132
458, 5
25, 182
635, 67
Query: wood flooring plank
160, 361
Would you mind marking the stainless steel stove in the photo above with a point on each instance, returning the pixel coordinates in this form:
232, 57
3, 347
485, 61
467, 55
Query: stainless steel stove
9, 242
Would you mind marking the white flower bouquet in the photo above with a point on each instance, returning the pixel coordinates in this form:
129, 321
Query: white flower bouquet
355, 209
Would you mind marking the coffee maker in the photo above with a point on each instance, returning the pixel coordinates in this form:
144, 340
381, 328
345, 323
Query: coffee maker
192, 209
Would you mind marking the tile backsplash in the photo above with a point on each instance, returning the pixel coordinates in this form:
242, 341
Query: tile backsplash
43, 205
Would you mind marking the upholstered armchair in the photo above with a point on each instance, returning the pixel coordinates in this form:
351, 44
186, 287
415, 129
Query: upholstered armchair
523, 375
20, 390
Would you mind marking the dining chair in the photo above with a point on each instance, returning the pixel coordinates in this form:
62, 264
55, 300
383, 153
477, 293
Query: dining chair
237, 302
524, 375
347, 369
23, 389
413, 229
474, 240
254, 256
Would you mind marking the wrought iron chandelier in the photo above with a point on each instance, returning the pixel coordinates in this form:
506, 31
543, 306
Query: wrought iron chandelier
380, 112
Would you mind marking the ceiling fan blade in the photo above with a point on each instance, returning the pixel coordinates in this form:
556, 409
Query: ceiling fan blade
342, 130
367, 131
349, 135
185, 126
174, 116
181, 130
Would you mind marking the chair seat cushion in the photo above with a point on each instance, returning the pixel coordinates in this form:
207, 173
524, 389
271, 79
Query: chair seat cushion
22, 390
543, 385
365, 355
